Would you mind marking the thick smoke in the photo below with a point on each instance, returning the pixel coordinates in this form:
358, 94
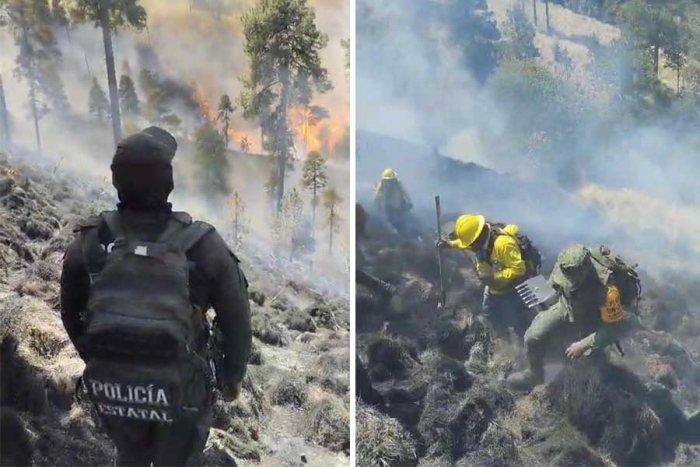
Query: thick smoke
412, 89
194, 50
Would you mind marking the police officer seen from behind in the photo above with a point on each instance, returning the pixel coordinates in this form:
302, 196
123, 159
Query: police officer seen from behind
135, 286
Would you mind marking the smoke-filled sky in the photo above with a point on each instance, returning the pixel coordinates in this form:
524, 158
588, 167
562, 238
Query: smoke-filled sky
414, 89
193, 48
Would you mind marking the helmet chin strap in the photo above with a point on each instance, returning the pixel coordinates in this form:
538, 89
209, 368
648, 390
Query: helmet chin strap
482, 243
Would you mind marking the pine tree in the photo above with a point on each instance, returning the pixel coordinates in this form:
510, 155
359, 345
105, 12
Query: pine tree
271, 184
520, 35
60, 16
331, 201
287, 221
283, 44
126, 69
98, 105
345, 43
128, 99
314, 179
109, 15
676, 53
225, 110
5, 136
473, 31
238, 210
38, 58
212, 162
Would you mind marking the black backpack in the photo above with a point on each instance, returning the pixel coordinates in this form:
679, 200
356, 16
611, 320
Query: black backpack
531, 255
142, 333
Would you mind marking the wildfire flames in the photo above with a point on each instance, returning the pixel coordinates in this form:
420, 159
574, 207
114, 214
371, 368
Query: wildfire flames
210, 113
322, 136
177, 30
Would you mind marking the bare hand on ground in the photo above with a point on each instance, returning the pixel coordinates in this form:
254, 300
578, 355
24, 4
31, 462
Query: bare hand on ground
575, 350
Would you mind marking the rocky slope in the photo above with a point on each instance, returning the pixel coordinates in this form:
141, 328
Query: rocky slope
294, 409
433, 380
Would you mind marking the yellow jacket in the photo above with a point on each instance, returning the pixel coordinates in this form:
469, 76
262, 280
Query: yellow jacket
505, 256
393, 197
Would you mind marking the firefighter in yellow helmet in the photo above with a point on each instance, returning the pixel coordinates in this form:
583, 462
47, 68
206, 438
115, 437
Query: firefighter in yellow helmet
391, 199
505, 258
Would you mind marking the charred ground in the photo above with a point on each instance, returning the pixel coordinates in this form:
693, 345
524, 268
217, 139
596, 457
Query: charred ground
432, 381
294, 409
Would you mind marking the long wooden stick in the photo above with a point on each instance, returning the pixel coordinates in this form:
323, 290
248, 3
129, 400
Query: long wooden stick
439, 252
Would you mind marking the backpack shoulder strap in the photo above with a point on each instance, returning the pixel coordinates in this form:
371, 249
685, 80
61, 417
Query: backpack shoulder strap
88, 223
93, 254
177, 222
182, 235
115, 225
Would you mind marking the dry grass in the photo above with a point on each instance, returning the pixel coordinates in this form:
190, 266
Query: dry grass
327, 420
382, 440
333, 370
661, 372
268, 331
40, 366
291, 389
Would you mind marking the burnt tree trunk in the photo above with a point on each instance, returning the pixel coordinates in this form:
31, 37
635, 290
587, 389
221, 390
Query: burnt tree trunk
5, 139
534, 11
282, 131
332, 226
657, 51
32, 87
111, 74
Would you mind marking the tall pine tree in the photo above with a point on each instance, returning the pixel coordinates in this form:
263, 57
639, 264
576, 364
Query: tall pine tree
283, 45
110, 15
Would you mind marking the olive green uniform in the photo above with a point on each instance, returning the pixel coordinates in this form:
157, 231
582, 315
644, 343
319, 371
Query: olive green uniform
588, 311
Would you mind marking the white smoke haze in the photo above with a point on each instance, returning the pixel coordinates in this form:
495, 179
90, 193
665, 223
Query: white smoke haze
637, 191
194, 49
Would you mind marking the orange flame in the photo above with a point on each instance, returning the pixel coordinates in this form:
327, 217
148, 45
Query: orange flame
211, 114
323, 137
207, 109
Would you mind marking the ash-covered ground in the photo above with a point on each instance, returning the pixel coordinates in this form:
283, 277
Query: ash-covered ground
294, 409
432, 381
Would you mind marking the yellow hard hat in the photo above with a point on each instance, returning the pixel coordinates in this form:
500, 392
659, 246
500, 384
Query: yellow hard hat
468, 228
388, 174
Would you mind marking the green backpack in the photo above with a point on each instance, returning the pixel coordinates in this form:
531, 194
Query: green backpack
617, 272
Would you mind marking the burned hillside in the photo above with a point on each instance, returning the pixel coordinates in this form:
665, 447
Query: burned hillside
437, 378
432, 379
294, 408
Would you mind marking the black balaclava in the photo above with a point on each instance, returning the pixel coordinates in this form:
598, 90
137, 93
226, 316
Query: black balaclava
142, 170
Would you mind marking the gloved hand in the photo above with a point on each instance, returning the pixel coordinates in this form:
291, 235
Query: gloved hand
441, 244
230, 392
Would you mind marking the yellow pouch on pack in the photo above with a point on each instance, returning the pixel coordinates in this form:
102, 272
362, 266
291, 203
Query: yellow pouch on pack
612, 312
